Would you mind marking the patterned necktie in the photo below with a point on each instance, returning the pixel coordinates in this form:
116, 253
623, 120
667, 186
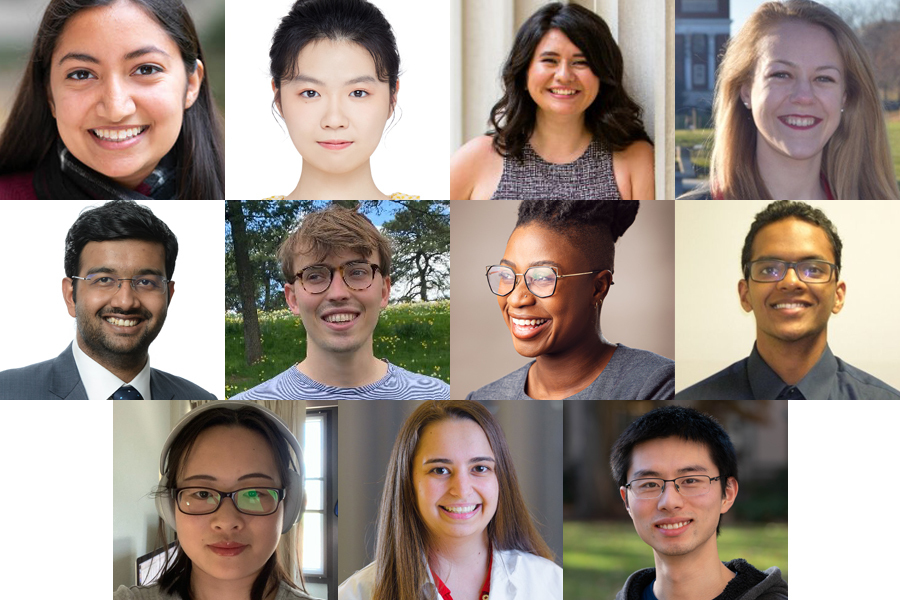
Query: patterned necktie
790, 393
126, 392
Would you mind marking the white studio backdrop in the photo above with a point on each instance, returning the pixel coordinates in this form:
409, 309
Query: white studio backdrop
36, 325
414, 154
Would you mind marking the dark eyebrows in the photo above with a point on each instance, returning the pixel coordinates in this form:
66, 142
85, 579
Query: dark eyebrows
78, 56
299, 78
146, 50
113, 271
537, 263
688, 469
241, 478
553, 53
807, 257
131, 55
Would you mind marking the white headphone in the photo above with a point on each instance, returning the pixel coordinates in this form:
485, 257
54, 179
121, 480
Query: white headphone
293, 496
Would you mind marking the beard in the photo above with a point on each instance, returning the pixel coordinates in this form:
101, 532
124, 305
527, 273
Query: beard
121, 351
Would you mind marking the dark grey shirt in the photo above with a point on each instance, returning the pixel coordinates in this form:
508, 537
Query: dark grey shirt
630, 375
752, 379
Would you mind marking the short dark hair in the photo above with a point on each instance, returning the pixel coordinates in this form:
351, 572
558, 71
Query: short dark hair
356, 21
787, 209
613, 116
118, 220
593, 226
675, 421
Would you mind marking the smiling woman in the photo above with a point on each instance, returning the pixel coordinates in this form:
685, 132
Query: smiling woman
797, 112
565, 126
115, 104
452, 518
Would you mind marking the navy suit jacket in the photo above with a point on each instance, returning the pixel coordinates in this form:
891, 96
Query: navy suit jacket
58, 379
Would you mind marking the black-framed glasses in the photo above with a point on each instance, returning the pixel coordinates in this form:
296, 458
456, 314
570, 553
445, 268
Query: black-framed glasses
540, 281
808, 271
689, 485
357, 275
144, 284
250, 501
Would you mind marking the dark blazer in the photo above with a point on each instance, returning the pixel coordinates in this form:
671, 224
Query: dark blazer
58, 378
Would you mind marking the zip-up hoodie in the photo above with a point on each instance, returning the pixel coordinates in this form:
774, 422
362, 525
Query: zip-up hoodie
749, 584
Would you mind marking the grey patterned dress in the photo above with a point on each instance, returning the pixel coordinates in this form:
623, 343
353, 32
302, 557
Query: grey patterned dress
589, 177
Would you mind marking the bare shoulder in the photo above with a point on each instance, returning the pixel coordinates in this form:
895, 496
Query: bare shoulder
475, 170
633, 168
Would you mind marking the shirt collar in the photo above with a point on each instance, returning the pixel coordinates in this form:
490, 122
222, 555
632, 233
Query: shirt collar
815, 385
100, 383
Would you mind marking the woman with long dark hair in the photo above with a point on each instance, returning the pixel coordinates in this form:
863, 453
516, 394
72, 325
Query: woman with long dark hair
114, 104
452, 518
565, 126
229, 488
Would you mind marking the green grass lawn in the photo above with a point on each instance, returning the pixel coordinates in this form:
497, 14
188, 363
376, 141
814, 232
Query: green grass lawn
599, 556
415, 336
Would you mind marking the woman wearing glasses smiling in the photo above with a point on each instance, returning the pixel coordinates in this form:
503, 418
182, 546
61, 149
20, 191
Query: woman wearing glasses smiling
550, 286
230, 489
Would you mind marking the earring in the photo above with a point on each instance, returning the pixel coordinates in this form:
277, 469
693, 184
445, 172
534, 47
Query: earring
747, 105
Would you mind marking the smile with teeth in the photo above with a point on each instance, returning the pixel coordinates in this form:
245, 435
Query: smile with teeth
800, 121
122, 322
119, 135
673, 525
563, 91
789, 305
460, 510
340, 317
528, 322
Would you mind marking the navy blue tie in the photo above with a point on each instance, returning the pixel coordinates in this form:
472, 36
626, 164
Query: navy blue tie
126, 392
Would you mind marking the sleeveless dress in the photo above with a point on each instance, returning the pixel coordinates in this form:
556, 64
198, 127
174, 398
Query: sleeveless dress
589, 177
394, 196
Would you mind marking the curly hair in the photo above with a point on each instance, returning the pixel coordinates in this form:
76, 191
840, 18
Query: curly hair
613, 116
594, 226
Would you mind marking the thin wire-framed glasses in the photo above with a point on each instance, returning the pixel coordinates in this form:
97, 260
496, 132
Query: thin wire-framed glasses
144, 284
808, 271
689, 485
540, 281
250, 501
357, 275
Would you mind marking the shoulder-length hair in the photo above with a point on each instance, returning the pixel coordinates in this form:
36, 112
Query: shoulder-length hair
856, 161
403, 537
31, 130
613, 116
176, 578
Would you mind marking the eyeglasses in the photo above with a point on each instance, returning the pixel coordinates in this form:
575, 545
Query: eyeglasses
250, 501
540, 281
357, 275
808, 271
689, 485
145, 284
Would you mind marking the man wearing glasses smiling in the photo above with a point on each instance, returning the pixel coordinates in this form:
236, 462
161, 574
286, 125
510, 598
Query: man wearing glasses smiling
677, 474
336, 266
792, 283
119, 261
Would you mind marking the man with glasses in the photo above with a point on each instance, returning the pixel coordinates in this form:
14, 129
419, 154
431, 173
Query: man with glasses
677, 474
337, 271
792, 283
119, 262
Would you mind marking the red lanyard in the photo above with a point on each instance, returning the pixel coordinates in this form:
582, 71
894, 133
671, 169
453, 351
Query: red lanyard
485, 589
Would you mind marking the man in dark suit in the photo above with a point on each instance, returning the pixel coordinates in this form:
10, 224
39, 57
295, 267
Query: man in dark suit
119, 262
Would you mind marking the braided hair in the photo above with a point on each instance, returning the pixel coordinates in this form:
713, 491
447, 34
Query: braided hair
593, 226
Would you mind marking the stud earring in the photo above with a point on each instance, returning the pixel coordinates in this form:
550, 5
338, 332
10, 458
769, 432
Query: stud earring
747, 105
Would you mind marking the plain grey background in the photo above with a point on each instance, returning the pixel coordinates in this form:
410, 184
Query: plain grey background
366, 435
712, 330
638, 312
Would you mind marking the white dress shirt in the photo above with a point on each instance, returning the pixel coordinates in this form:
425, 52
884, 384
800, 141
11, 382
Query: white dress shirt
100, 383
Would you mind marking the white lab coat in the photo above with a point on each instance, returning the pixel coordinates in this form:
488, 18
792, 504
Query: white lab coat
515, 575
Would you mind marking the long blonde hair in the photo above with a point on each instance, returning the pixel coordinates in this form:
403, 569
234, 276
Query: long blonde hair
402, 536
856, 160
